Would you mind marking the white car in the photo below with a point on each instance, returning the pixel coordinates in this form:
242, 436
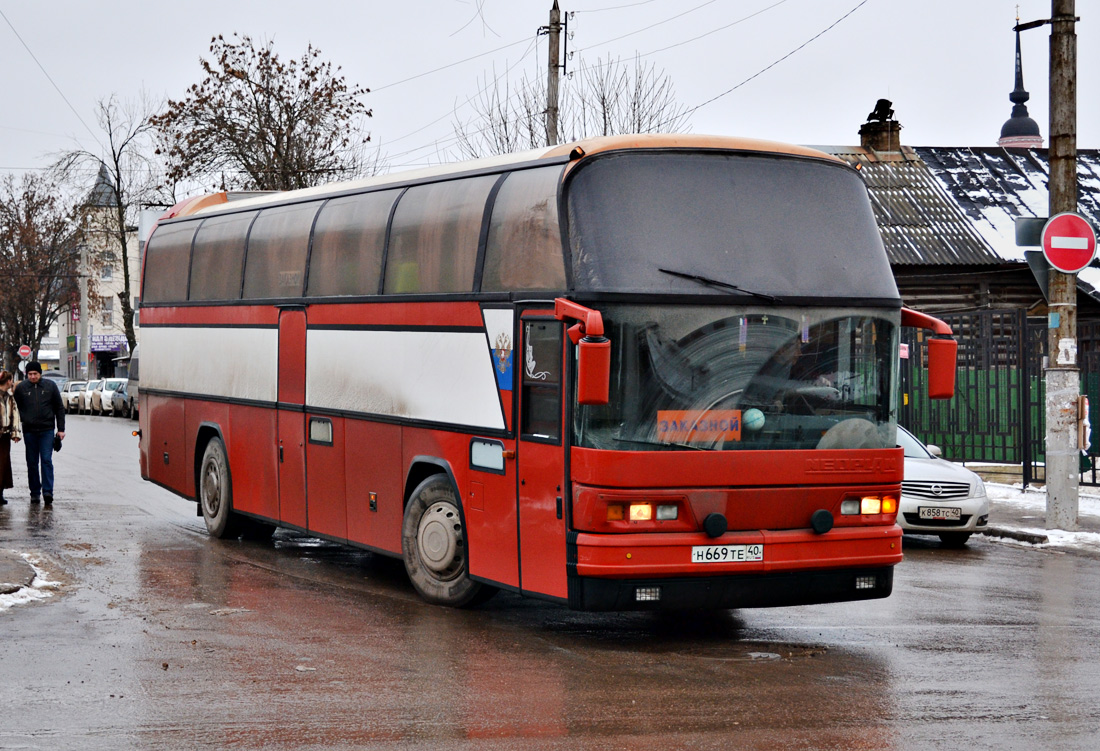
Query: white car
84, 398
70, 394
938, 497
103, 396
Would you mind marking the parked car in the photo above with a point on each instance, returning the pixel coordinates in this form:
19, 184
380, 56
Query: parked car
104, 392
938, 497
70, 394
122, 402
56, 376
84, 399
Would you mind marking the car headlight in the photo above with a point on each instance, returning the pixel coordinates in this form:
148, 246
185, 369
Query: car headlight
978, 487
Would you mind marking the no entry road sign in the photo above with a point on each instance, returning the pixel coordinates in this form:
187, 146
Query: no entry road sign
24, 351
1069, 242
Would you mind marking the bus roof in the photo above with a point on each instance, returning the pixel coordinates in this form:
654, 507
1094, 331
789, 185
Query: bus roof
218, 202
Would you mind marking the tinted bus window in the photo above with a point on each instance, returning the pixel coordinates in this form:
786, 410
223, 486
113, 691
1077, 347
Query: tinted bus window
773, 225
347, 245
524, 248
277, 246
166, 261
217, 262
433, 243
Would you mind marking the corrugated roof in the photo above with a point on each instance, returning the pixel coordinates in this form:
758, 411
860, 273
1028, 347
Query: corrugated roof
919, 221
994, 185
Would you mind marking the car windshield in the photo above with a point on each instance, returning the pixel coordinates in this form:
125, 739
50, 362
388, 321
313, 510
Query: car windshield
914, 449
112, 384
758, 377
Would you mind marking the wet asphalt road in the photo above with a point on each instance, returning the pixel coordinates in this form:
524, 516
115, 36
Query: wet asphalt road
158, 637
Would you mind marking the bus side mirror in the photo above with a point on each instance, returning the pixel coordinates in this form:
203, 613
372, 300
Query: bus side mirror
593, 351
593, 370
942, 355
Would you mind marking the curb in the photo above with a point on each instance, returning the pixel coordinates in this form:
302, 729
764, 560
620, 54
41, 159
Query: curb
1014, 534
15, 573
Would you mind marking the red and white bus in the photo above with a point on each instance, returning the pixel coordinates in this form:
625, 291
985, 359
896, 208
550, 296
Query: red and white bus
624, 373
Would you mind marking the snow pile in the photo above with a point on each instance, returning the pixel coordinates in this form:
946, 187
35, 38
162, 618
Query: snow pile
1032, 503
41, 587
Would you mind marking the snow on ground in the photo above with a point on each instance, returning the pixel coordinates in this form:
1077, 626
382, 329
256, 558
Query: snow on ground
41, 588
1024, 510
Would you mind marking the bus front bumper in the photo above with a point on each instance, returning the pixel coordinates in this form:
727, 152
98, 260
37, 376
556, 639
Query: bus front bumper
797, 567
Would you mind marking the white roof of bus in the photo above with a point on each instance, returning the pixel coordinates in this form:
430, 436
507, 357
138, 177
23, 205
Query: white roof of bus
217, 203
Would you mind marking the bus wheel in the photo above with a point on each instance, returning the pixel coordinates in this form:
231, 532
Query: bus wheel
433, 544
216, 491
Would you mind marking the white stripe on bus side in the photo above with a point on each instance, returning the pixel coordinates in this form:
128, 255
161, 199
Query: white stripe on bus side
439, 376
238, 363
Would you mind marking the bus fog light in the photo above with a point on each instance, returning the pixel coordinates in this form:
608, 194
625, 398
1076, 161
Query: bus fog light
667, 512
865, 582
849, 508
640, 512
647, 594
870, 505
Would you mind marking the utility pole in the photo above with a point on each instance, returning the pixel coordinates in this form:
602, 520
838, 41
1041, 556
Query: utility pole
1062, 374
552, 75
83, 345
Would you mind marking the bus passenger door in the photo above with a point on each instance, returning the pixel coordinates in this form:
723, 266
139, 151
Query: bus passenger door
540, 458
291, 416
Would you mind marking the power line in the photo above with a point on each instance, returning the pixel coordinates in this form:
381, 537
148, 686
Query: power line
471, 97
765, 70
449, 65
715, 31
49, 78
651, 26
615, 7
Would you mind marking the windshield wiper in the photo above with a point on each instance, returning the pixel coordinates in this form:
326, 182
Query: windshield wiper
716, 283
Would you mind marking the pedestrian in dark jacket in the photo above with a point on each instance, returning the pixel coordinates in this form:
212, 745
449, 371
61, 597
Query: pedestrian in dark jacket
40, 408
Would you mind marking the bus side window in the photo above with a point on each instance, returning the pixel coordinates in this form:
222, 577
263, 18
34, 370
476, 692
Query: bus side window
275, 264
166, 261
218, 259
348, 241
541, 394
524, 247
434, 237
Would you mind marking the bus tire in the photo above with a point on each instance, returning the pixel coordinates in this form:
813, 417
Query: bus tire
216, 491
433, 545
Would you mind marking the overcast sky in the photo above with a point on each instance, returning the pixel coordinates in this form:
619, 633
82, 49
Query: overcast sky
819, 65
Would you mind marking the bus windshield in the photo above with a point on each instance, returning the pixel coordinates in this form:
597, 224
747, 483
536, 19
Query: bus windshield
789, 228
714, 378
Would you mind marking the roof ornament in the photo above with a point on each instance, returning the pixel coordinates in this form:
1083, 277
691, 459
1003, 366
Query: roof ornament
1020, 131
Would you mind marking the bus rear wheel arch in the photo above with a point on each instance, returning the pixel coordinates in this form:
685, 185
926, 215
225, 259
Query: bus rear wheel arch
434, 546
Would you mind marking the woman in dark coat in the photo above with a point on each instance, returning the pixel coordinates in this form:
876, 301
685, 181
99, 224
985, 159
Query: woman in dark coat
10, 430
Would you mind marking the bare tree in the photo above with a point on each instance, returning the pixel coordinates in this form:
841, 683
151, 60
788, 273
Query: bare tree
40, 253
257, 123
600, 100
129, 176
